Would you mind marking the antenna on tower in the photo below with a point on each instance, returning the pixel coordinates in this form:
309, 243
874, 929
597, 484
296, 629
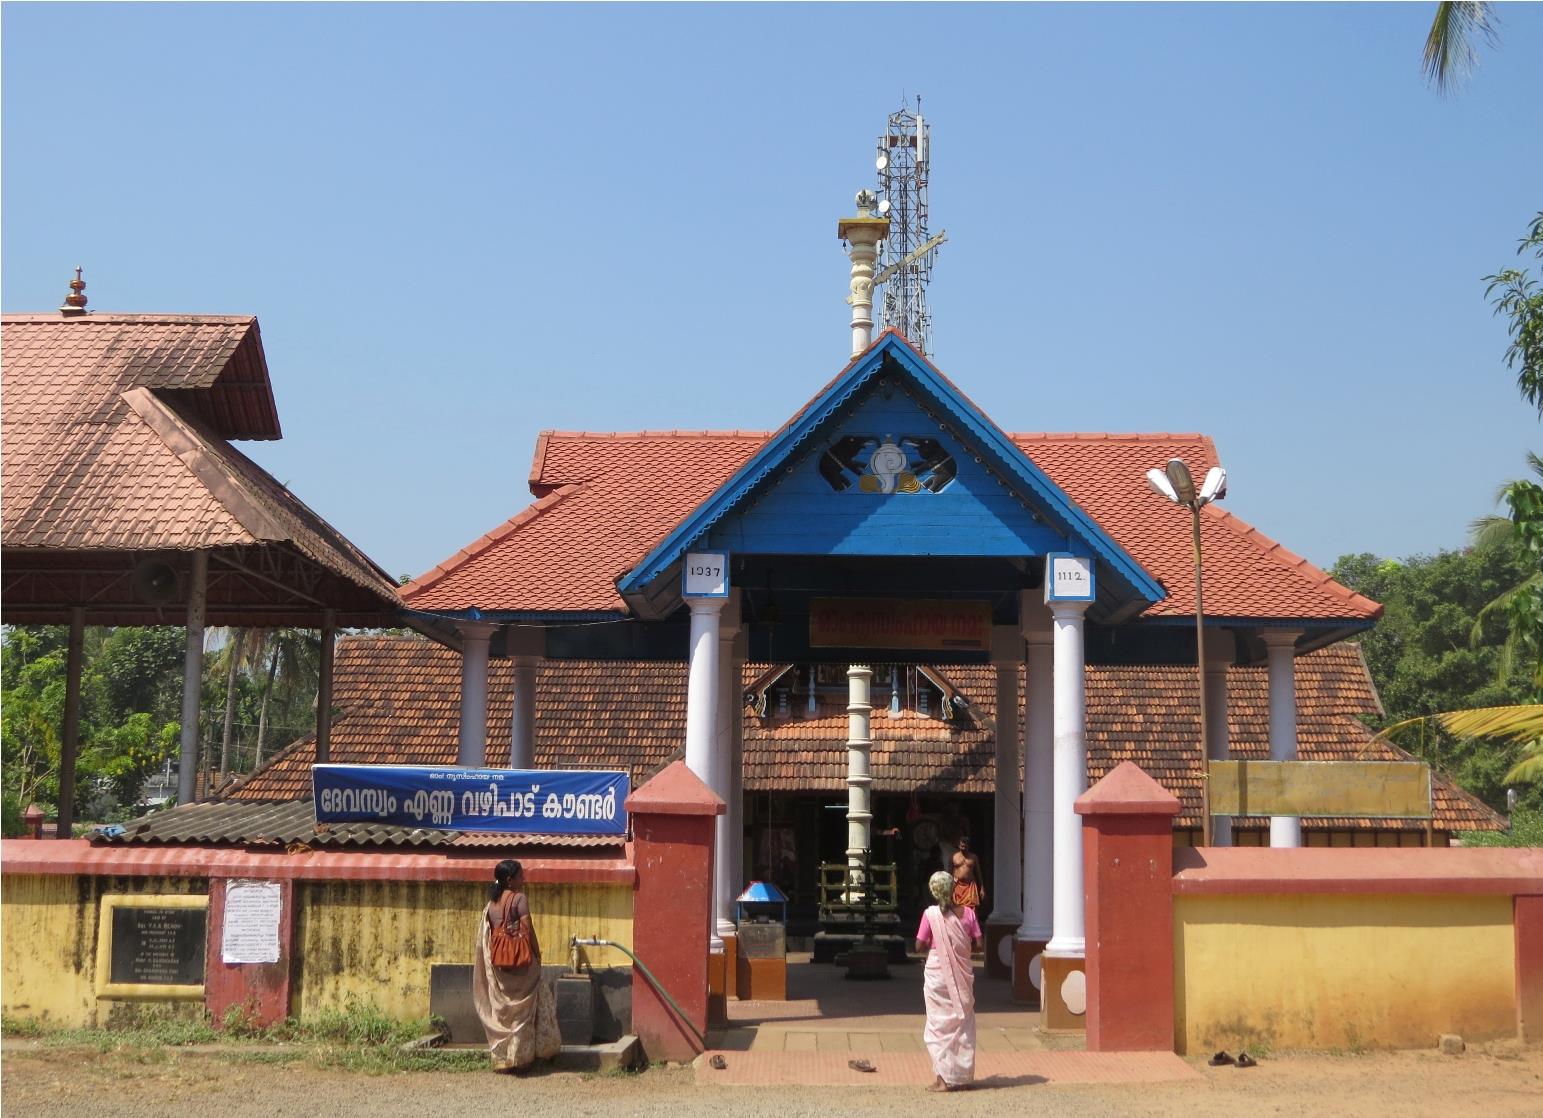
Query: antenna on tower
905, 261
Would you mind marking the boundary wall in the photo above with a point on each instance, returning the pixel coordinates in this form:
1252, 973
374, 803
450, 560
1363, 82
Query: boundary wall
1225, 948
368, 925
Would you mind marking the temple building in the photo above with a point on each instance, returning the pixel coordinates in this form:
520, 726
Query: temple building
889, 522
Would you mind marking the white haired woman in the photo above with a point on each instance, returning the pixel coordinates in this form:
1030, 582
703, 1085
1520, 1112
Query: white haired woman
949, 933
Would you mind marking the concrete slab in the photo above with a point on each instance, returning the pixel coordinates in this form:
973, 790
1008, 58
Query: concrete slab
617, 1055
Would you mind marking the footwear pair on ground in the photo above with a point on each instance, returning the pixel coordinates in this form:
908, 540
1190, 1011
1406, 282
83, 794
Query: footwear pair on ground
1223, 1059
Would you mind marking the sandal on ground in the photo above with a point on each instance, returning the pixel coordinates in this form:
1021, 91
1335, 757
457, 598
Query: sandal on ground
861, 1065
1247, 1061
717, 1063
1221, 1060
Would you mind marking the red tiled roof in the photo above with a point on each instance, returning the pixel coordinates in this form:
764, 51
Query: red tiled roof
115, 433
1247, 574
607, 499
74, 368
401, 700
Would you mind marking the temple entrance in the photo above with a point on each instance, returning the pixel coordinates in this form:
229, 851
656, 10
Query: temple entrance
825, 1012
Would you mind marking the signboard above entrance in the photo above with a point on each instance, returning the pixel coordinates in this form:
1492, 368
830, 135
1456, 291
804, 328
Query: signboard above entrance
506, 801
900, 623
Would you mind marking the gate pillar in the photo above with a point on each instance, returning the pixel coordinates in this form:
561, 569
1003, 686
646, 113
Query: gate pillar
673, 824
1127, 846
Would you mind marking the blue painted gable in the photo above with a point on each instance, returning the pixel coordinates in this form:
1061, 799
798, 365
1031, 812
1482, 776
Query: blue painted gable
887, 479
997, 503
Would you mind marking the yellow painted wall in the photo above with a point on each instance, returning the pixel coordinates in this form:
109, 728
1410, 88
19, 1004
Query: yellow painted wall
1341, 972
48, 965
376, 941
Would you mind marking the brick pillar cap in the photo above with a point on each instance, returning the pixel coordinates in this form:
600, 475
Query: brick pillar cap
1127, 790
675, 790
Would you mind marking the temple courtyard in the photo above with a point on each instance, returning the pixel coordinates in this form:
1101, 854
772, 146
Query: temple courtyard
1493, 1081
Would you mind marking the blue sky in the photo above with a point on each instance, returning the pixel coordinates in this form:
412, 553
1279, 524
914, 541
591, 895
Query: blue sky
459, 225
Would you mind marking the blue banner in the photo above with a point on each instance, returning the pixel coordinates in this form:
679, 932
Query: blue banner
508, 801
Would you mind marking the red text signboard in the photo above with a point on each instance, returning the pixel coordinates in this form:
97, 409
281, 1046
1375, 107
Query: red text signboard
901, 623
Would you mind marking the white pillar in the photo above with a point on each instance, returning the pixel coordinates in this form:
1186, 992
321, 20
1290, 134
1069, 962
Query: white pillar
522, 730
1281, 644
193, 677
1071, 780
1038, 797
859, 772
1219, 655
725, 869
702, 688
1007, 854
525, 648
472, 747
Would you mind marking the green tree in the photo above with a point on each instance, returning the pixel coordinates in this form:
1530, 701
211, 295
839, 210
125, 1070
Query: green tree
1425, 660
1519, 298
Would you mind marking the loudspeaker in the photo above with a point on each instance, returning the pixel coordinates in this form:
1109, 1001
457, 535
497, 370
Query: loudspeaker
154, 582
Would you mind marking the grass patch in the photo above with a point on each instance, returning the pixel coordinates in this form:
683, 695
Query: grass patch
358, 1037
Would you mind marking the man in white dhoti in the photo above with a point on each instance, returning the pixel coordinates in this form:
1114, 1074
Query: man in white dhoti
949, 933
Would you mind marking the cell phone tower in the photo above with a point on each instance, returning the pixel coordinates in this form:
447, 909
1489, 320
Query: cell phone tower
906, 257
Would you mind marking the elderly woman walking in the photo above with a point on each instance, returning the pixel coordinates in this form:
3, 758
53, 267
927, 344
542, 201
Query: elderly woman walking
949, 933
518, 1013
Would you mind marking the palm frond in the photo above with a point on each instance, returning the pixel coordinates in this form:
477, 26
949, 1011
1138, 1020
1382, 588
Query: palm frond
1491, 531
1522, 722
1528, 768
1450, 51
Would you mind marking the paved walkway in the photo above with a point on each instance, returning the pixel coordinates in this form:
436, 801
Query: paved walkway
829, 1020
901, 1069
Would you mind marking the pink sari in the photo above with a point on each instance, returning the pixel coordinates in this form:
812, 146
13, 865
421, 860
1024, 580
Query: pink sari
948, 986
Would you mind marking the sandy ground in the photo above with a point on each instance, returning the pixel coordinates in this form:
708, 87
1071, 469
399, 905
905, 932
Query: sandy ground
1498, 1081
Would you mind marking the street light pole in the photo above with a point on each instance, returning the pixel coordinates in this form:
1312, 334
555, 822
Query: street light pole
1205, 743
1178, 485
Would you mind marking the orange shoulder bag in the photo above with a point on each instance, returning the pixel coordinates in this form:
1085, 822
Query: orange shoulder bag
509, 948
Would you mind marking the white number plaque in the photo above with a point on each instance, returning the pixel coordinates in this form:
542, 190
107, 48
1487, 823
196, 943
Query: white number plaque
1068, 578
705, 575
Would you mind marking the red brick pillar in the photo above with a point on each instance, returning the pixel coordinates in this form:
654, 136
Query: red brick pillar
1529, 968
673, 824
1127, 851
258, 992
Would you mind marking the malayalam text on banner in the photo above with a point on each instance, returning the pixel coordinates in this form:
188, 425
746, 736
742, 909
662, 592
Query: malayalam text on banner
507, 801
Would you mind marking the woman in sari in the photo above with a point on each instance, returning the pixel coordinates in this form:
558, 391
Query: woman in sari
507, 1001
949, 933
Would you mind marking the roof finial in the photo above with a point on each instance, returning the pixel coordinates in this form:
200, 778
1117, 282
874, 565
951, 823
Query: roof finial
75, 301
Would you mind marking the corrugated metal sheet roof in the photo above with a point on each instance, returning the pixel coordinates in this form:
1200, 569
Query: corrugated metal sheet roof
243, 823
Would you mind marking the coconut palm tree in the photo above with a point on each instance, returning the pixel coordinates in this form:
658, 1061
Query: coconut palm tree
292, 660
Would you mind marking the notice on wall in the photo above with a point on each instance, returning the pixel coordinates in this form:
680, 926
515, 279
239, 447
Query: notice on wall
252, 913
